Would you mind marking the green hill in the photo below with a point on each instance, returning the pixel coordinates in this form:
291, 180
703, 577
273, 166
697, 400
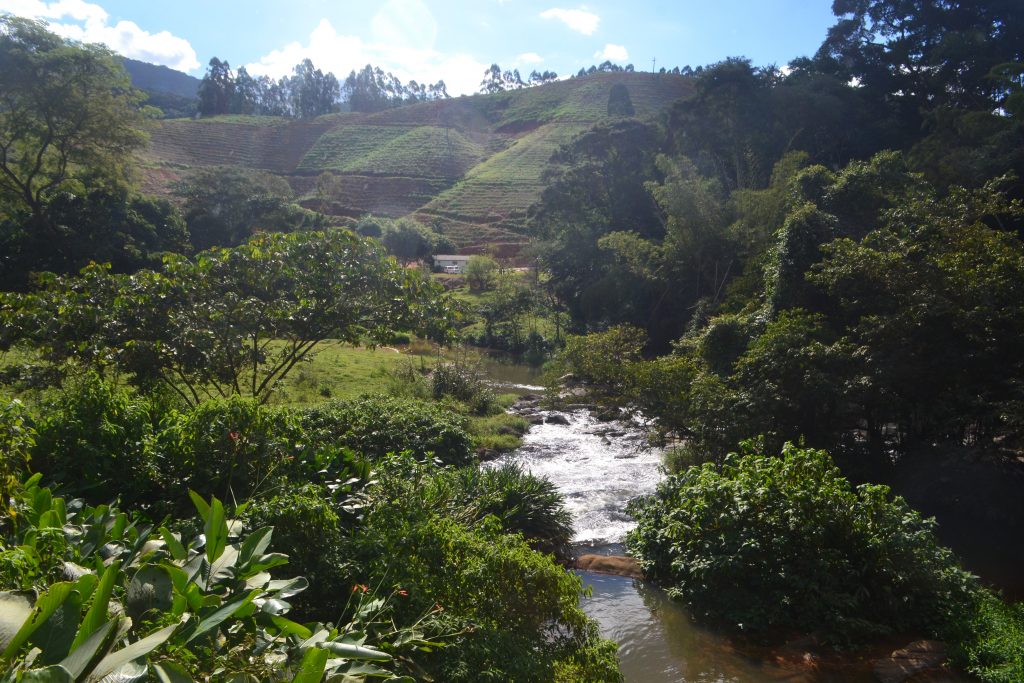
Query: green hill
470, 165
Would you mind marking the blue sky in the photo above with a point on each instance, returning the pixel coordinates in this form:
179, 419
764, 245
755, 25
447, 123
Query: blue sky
433, 39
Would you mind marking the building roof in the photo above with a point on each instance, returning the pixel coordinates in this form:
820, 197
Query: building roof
452, 257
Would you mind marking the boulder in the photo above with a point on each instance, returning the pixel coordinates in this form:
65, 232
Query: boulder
556, 419
609, 564
919, 656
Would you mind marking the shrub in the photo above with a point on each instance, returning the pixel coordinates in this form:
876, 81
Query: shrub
377, 425
231, 448
308, 529
993, 649
521, 502
17, 438
516, 612
93, 437
786, 543
464, 382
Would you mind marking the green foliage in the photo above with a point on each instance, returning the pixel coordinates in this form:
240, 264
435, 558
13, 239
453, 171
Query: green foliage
17, 439
96, 438
605, 360
515, 611
481, 272
619, 101
225, 206
377, 425
212, 326
993, 650
768, 544
70, 119
522, 503
464, 381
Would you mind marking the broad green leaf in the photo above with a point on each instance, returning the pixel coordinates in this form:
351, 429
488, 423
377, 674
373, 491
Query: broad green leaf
86, 584
136, 650
90, 651
51, 674
171, 672
255, 545
134, 671
55, 635
174, 546
151, 589
286, 588
216, 531
201, 505
215, 619
45, 606
287, 627
311, 670
96, 617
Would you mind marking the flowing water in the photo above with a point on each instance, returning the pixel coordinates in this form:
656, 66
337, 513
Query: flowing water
599, 466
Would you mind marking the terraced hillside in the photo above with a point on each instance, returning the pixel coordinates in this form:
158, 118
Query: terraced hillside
470, 165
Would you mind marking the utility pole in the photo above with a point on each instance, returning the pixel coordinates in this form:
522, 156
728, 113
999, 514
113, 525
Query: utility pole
654, 61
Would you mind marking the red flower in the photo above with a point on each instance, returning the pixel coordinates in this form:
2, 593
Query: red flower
233, 436
404, 593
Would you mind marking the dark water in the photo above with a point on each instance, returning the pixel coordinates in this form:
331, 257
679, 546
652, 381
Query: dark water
659, 642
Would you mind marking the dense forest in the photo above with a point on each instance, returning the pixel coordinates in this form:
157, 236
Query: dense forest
809, 282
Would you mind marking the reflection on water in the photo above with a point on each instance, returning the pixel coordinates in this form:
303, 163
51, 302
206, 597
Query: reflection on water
659, 643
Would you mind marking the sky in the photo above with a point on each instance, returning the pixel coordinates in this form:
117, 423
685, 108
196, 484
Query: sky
431, 40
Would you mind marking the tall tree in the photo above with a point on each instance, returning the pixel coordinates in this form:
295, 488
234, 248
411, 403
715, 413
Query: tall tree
69, 119
313, 92
217, 90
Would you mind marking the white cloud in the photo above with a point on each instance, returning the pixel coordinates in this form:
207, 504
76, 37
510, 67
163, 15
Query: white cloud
89, 23
402, 46
580, 20
529, 58
613, 53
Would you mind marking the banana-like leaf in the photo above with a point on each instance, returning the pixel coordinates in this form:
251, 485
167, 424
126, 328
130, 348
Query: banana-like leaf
311, 669
45, 606
132, 672
171, 672
97, 614
216, 531
87, 654
174, 546
137, 650
254, 545
55, 635
51, 674
201, 505
151, 588
217, 618
15, 609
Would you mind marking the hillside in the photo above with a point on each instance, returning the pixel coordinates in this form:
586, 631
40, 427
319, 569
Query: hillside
471, 166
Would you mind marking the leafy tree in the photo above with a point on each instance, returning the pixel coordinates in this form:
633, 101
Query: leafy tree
481, 272
313, 92
69, 120
217, 89
224, 206
619, 102
407, 241
495, 80
542, 77
231, 321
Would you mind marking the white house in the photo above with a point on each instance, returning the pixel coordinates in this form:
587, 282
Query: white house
451, 263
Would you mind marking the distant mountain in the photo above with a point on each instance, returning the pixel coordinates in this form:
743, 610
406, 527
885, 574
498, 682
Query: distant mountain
173, 92
160, 79
469, 166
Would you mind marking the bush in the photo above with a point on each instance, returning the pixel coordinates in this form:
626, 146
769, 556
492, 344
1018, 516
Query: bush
94, 438
994, 649
376, 425
521, 502
516, 612
786, 543
464, 382
231, 448
308, 529
17, 438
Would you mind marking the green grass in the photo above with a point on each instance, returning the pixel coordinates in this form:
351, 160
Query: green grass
340, 371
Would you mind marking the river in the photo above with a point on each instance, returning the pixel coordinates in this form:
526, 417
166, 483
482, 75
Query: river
599, 466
